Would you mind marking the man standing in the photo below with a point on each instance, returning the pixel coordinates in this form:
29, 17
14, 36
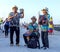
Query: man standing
6, 27
44, 21
14, 18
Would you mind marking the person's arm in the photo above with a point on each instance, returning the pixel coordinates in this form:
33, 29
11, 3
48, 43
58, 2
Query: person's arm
10, 16
40, 20
47, 21
37, 29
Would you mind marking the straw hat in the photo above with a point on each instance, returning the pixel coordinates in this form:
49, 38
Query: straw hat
33, 18
15, 7
44, 10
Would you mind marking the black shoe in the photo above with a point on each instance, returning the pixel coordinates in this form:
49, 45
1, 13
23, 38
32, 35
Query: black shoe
17, 45
42, 47
6, 36
11, 44
45, 48
38, 47
25, 45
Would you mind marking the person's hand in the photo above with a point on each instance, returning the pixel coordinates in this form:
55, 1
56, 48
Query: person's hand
25, 26
10, 17
34, 30
43, 21
15, 14
28, 32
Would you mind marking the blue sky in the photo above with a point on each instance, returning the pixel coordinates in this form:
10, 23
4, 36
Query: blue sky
31, 8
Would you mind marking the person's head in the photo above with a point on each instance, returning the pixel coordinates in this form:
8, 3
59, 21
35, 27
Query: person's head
33, 19
44, 11
15, 8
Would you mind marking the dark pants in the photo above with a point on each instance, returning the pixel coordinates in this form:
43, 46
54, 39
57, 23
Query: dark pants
45, 41
25, 39
6, 30
16, 29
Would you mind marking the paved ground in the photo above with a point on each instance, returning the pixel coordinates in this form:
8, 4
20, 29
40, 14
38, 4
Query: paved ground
53, 39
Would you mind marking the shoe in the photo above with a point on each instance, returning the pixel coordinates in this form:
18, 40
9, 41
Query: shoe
11, 44
42, 47
17, 45
38, 47
45, 48
25, 45
6, 36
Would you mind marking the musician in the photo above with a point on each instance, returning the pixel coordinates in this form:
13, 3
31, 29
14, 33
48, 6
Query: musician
14, 18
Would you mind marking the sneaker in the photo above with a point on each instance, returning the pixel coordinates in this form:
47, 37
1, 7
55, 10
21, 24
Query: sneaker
11, 44
25, 45
45, 48
6, 36
17, 45
38, 47
42, 47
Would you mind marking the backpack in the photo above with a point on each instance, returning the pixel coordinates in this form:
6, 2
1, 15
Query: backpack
32, 43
